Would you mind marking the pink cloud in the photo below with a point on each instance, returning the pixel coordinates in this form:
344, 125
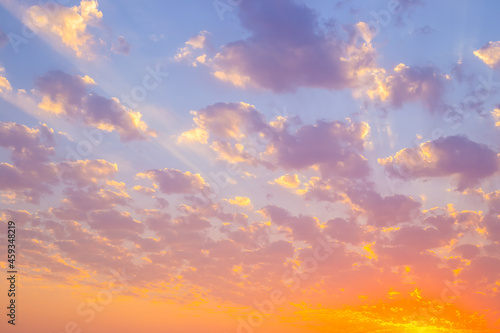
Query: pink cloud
288, 49
93, 198
467, 251
87, 249
239, 134
171, 181
345, 231
410, 84
457, 156
66, 95
87, 172
300, 228
333, 146
385, 211
31, 175
115, 225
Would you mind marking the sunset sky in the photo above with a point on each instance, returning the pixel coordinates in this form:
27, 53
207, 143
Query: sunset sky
299, 166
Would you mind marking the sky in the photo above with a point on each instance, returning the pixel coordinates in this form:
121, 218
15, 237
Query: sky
300, 166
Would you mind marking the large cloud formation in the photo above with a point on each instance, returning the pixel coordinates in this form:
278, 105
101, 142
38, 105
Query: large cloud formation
288, 49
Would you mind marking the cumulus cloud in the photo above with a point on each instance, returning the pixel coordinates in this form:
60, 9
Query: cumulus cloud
467, 251
187, 52
87, 172
115, 225
241, 201
384, 211
69, 24
489, 54
84, 247
419, 238
4, 83
496, 116
458, 156
93, 198
238, 133
229, 120
287, 50
171, 181
32, 174
300, 228
409, 84
66, 95
345, 231
333, 146
22, 218
492, 224
288, 180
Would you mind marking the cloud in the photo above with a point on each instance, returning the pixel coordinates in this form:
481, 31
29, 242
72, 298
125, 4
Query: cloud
121, 46
482, 269
85, 248
87, 172
288, 50
32, 174
69, 24
384, 211
241, 201
418, 238
467, 251
409, 84
109, 114
289, 181
194, 135
186, 53
425, 30
496, 116
171, 181
156, 220
93, 198
4, 83
22, 218
144, 190
300, 228
66, 95
489, 54
332, 146
115, 225
458, 156
492, 224
238, 133
228, 120
345, 231
493, 200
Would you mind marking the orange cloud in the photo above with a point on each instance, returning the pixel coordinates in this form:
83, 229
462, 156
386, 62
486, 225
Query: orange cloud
489, 54
289, 181
241, 201
68, 24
